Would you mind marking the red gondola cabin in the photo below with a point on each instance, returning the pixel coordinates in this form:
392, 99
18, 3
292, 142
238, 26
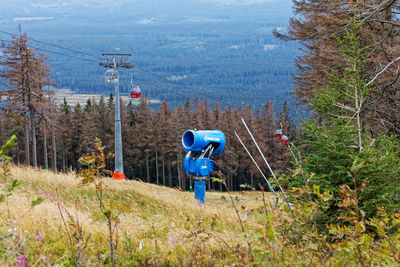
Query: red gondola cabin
136, 92
278, 134
284, 140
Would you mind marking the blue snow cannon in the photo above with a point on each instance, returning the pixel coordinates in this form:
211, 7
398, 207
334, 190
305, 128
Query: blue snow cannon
199, 140
199, 167
200, 146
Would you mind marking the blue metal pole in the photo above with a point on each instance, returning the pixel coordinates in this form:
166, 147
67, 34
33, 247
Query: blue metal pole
200, 190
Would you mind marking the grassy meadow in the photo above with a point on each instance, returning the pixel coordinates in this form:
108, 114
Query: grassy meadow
159, 226
156, 224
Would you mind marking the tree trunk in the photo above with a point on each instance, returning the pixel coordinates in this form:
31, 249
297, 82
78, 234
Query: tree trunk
33, 131
157, 178
357, 108
46, 160
169, 174
163, 169
147, 167
389, 13
179, 175
183, 181
64, 165
27, 142
17, 154
230, 181
252, 179
54, 149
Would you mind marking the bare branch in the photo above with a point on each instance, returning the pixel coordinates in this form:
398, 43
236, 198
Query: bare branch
383, 70
340, 105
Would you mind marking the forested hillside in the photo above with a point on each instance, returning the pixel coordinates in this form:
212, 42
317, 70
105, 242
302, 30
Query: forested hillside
151, 140
178, 52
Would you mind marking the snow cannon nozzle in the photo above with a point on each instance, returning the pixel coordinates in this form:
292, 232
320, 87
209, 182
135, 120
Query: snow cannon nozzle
197, 141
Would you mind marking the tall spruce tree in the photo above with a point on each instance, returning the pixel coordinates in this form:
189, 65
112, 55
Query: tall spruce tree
340, 152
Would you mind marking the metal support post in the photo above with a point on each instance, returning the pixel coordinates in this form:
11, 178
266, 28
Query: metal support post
119, 165
114, 78
200, 189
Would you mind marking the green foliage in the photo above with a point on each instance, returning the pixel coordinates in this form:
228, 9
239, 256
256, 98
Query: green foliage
339, 154
6, 148
37, 201
5, 169
217, 180
347, 90
96, 163
378, 166
330, 150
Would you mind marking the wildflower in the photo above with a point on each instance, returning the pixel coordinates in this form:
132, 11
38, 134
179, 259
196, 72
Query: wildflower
22, 260
39, 236
173, 240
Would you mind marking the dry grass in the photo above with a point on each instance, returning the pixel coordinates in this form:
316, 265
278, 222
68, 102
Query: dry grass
160, 226
158, 217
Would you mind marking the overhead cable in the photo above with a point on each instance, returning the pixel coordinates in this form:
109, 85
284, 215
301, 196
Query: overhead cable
93, 61
58, 46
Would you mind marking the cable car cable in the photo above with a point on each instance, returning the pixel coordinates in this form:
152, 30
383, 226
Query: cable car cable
89, 60
88, 54
59, 53
58, 46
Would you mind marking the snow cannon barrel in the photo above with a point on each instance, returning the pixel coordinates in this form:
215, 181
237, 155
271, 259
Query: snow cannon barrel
198, 140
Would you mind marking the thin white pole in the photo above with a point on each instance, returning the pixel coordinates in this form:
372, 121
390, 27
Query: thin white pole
269, 167
258, 167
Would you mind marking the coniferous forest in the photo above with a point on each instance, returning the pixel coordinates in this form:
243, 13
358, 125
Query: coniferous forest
340, 168
57, 136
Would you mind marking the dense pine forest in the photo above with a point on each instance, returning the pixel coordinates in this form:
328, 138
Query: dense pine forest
57, 136
340, 168
151, 140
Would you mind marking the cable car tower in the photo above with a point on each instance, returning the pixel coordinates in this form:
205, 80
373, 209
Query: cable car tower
112, 76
